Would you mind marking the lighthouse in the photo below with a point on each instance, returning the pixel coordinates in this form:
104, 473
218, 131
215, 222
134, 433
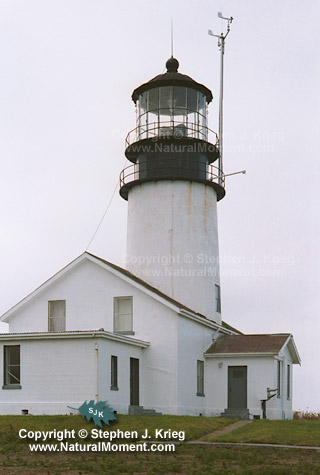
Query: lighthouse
172, 187
154, 329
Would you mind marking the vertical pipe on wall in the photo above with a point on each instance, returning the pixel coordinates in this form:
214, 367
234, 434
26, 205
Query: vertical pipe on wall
96, 348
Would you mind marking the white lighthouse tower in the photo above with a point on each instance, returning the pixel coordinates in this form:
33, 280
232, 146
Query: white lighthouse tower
172, 188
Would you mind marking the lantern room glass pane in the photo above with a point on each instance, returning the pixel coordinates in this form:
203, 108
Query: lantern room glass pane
143, 102
203, 129
137, 111
202, 104
153, 99
153, 123
165, 100
191, 100
142, 127
179, 98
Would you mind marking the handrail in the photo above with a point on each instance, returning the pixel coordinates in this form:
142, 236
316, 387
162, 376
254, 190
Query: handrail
171, 128
135, 172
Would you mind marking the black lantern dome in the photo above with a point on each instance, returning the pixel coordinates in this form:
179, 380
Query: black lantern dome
172, 78
171, 139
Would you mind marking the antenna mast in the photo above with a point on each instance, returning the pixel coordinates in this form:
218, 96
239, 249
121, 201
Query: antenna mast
221, 45
171, 38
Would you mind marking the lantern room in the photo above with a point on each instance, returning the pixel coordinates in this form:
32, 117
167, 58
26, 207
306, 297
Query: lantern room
165, 111
172, 111
171, 139
172, 105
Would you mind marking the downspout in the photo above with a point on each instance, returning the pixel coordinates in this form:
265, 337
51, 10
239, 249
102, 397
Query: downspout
283, 389
96, 348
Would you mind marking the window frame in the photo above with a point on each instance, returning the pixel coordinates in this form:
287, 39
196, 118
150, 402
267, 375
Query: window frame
218, 298
122, 332
288, 382
200, 378
279, 375
6, 365
114, 373
52, 319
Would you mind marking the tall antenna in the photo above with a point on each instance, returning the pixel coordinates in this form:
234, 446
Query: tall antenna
171, 38
221, 45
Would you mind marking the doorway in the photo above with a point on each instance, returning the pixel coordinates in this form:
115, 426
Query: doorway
134, 382
237, 387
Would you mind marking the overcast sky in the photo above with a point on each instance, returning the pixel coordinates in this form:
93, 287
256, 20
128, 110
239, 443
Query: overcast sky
68, 68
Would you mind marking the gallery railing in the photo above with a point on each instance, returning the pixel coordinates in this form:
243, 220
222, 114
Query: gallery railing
168, 168
171, 129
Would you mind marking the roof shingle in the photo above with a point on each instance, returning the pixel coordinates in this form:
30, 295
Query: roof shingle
269, 343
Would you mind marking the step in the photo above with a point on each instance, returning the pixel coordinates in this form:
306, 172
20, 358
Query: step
139, 410
149, 412
236, 413
135, 409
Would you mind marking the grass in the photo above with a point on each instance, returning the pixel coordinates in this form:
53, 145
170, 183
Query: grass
295, 432
15, 456
186, 460
194, 427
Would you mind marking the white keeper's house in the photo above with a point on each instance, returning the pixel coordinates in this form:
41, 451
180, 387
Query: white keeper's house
149, 337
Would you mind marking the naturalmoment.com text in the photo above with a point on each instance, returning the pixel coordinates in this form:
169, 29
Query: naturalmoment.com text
146, 441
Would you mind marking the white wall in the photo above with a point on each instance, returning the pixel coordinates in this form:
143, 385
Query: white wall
193, 340
118, 400
282, 407
60, 373
172, 236
54, 374
89, 290
168, 368
260, 375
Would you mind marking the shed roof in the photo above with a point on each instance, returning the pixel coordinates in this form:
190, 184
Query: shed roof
265, 344
74, 334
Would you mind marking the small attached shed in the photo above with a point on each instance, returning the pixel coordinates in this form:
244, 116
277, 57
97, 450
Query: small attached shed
250, 376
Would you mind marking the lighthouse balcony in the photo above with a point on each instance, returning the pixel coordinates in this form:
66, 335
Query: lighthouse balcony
168, 168
174, 128
175, 132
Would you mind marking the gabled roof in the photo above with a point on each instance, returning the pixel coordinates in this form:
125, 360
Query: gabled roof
156, 291
266, 344
145, 284
229, 327
123, 272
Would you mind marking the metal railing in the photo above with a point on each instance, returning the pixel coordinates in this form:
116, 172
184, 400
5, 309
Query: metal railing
171, 129
172, 170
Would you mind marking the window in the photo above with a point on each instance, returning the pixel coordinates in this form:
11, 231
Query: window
114, 373
288, 381
57, 316
123, 315
218, 299
279, 379
153, 104
11, 373
200, 378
